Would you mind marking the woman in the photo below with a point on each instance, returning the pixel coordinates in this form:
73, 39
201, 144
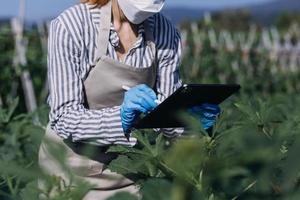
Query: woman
95, 48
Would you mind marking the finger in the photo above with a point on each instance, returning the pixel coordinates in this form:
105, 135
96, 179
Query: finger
142, 89
197, 109
207, 123
148, 90
210, 106
128, 117
144, 99
136, 107
210, 116
147, 101
144, 104
213, 108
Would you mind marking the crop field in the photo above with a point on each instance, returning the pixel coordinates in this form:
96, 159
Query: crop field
252, 152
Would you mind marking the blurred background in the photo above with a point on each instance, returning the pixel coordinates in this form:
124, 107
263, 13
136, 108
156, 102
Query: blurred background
254, 43
224, 41
264, 12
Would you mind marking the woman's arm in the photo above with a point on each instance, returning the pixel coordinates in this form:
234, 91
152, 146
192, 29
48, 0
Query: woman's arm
169, 47
68, 116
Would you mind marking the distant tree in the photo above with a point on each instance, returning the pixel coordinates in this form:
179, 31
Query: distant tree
234, 20
286, 19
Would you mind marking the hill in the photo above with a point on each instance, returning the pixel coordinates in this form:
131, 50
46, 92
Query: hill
264, 13
267, 13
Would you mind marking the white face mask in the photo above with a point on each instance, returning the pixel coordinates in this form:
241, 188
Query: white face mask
138, 11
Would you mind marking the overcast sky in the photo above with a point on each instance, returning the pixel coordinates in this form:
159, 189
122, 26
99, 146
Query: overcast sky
41, 9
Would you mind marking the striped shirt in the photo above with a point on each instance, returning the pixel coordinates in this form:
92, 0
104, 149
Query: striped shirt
72, 48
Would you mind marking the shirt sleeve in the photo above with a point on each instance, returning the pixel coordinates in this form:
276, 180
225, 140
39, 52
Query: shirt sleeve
68, 116
169, 60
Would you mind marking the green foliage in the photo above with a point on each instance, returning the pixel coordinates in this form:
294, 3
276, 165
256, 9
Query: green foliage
19, 145
123, 196
235, 20
254, 158
10, 87
19, 140
287, 19
252, 152
143, 160
258, 73
156, 189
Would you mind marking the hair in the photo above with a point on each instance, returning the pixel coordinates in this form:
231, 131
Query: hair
102, 3
95, 2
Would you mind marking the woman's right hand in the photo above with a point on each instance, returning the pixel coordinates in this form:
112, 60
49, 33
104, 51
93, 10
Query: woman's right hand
137, 100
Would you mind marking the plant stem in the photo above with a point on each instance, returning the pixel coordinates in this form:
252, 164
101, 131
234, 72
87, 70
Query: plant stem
245, 190
10, 186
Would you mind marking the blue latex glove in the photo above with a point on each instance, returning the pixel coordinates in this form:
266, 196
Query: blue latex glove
208, 114
137, 100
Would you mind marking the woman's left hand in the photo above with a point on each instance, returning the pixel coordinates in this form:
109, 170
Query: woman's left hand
207, 113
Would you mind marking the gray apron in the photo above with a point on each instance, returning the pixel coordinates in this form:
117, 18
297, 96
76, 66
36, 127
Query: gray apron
103, 88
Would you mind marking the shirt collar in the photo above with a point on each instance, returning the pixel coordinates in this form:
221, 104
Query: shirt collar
115, 40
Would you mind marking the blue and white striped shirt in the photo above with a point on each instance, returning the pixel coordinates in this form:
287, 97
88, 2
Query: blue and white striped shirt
72, 48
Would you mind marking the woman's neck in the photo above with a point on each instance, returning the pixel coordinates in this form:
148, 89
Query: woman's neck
118, 17
127, 31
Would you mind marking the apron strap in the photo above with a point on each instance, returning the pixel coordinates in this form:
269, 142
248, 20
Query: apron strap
104, 31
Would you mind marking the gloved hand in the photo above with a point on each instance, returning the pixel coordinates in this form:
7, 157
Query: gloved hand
207, 113
137, 100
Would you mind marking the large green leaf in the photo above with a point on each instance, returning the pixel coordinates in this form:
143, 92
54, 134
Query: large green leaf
122, 165
154, 189
123, 196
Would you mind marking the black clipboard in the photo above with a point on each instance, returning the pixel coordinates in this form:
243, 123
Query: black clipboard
165, 115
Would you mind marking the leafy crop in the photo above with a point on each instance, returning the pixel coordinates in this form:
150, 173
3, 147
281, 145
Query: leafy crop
252, 156
19, 144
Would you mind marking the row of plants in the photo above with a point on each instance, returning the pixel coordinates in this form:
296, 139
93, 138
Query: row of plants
11, 86
252, 153
255, 71
202, 62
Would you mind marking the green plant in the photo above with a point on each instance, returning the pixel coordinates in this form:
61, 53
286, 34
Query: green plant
251, 157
